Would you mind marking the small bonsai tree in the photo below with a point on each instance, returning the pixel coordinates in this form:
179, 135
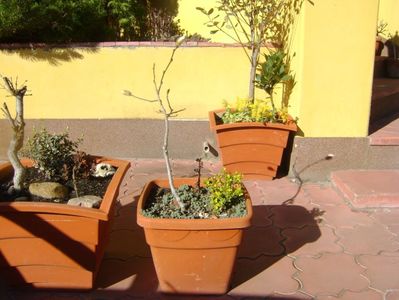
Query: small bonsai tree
222, 192
18, 127
255, 24
251, 23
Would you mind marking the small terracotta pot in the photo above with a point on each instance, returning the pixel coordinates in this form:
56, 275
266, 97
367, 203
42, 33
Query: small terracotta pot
252, 148
192, 256
50, 245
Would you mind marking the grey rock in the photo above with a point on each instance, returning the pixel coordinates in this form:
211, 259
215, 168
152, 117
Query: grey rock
86, 201
48, 190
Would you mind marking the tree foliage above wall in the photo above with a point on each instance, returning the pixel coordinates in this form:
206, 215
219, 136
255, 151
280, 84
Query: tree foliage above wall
61, 21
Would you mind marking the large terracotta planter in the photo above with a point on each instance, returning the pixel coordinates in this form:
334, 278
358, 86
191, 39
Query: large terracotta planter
254, 149
49, 245
192, 256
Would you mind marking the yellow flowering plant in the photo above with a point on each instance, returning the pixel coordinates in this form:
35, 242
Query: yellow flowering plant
260, 110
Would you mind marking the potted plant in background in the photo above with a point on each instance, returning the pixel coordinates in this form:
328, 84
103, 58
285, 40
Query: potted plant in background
379, 40
44, 242
253, 135
392, 63
193, 226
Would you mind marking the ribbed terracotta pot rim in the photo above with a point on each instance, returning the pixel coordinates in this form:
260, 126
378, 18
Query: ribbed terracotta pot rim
188, 224
101, 213
290, 126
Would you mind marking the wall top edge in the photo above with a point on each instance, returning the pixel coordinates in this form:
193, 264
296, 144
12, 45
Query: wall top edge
32, 46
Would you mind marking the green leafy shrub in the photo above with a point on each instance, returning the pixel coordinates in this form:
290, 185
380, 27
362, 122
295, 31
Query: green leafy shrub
221, 196
53, 154
224, 189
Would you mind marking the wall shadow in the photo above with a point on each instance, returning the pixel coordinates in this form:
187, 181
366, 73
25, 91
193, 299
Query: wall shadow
53, 54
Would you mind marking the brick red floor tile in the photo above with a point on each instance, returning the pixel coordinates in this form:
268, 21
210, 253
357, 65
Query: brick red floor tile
367, 239
330, 274
130, 197
325, 195
341, 216
382, 270
278, 191
387, 216
148, 166
392, 295
264, 276
255, 192
295, 296
285, 216
261, 240
311, 241
348, 295
395, 230
261, 216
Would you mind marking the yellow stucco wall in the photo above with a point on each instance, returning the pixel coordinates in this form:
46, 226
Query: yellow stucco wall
91, 86
337, 67
333, 42
333, 45
388, 12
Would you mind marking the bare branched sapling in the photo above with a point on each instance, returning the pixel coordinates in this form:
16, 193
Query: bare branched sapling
248, 22
18, 126
168, 111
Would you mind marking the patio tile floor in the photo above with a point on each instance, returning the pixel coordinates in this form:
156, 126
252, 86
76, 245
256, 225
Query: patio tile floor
306, 242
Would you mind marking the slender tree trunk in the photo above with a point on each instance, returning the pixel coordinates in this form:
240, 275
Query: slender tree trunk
165, 151
254, 63
18, 127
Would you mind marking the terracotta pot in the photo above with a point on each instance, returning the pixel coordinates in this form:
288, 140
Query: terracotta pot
392, 65
192, 256
254, 149
49, 245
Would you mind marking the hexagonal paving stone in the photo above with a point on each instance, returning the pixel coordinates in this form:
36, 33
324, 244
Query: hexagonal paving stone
387, 216
340, 216
367, 239
330, 274
261, 240
261, 216
148, 166
324, 195
257, 197
311, 241
392, 295
348, 295
288, 216
382, 270
264, 276
277, 191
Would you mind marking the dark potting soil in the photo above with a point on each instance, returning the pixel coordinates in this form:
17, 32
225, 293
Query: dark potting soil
86, 186
161, 204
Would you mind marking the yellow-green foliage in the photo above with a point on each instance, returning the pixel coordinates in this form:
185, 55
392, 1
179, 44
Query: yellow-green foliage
224, 188
258, 111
